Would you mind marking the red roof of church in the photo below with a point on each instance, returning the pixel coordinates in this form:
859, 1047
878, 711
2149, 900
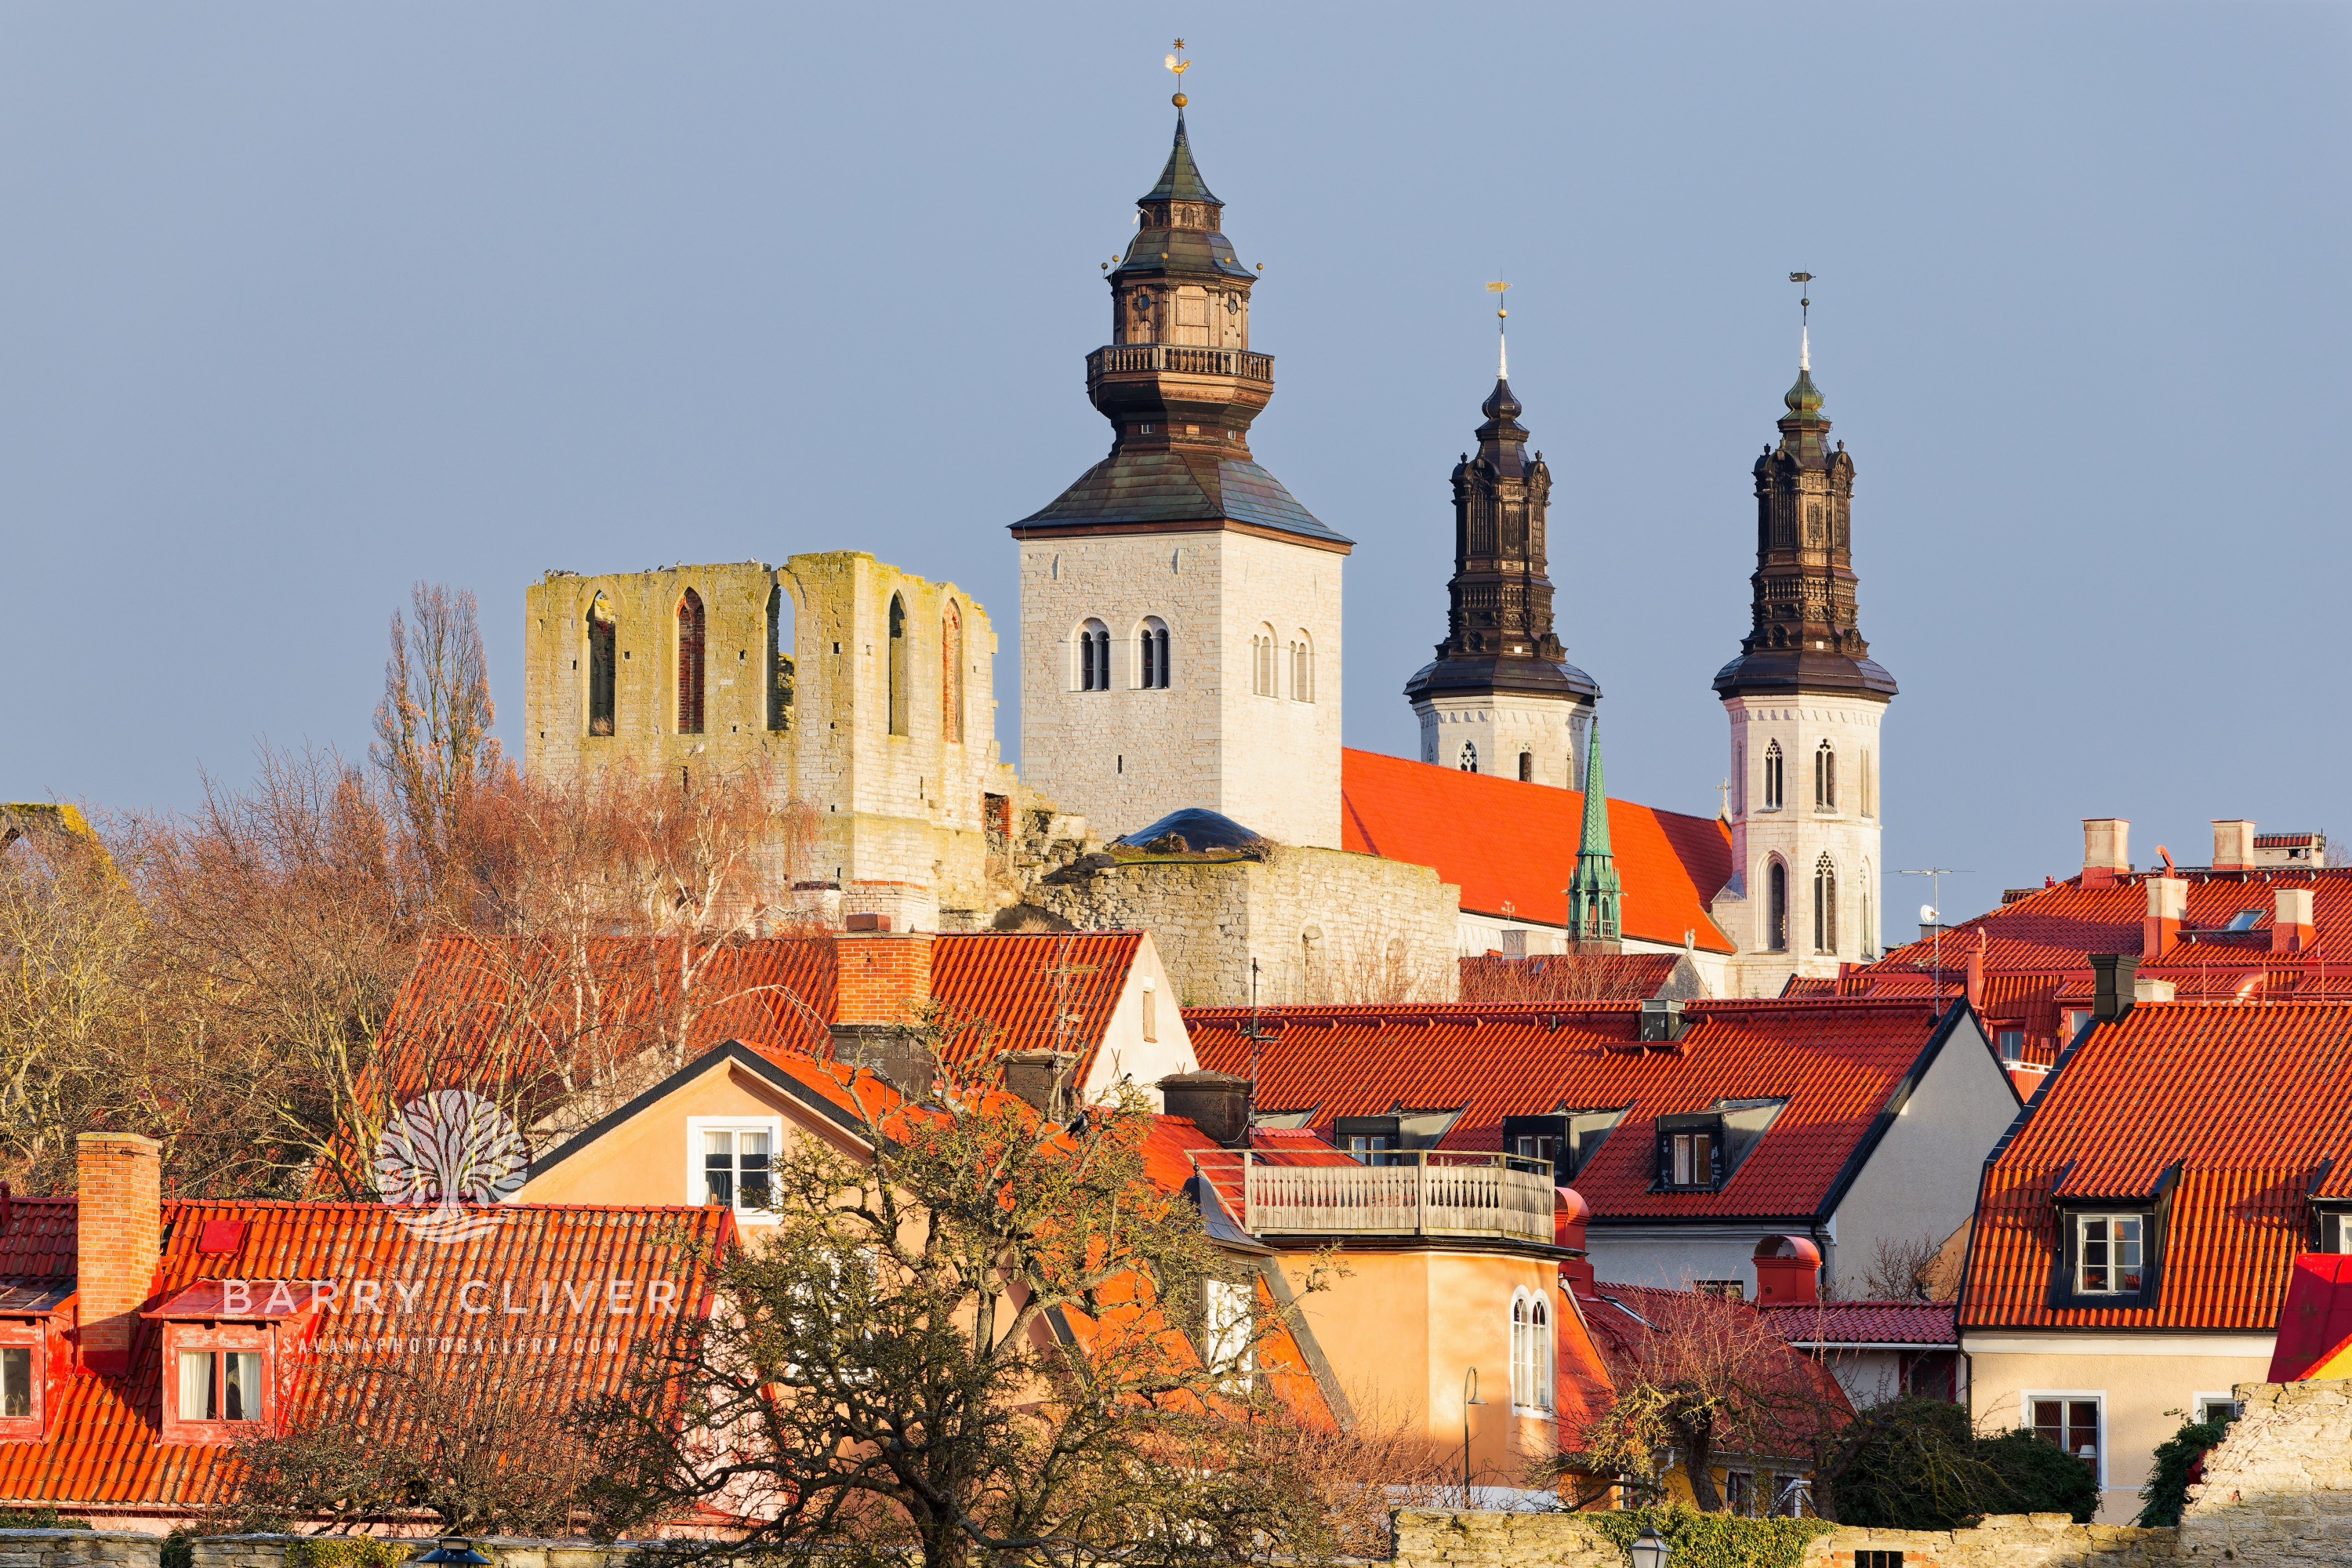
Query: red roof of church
2220, 1118
1512, 845
103, 1445
1839, 1065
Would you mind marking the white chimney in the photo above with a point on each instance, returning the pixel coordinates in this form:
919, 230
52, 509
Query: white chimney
2233, 844
2105, 850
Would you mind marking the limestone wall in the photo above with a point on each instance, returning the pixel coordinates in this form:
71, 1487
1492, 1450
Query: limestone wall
75, 1548
2279, 1490
1324, 925
1430, 1540
270, 1551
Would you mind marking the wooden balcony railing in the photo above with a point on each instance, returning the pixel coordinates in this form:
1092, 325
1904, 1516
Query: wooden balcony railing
1119, 359
1410, 1192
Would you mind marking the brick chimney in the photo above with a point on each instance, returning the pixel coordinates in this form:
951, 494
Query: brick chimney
882, 979
2106, 850
2233, 845
1218, 1103
2167, 902
119, 1226
1788, 1268
1976, 973
1042, 1078
2290, 927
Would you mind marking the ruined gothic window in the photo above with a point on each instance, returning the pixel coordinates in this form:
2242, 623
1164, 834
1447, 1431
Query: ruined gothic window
951, 673
1824, 778
898, 665
780, 661
691, 627
600, 661
1151, 654
1468, 761
1775, 907
1825, 931
1094, 657
1302, 669
1772, 776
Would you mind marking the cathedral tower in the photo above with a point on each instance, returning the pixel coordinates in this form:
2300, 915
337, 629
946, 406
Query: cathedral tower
1180, 611
1500, 696
1804, 699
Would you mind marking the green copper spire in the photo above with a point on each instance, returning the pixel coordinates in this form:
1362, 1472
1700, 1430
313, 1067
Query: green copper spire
1594, 895
1181, 180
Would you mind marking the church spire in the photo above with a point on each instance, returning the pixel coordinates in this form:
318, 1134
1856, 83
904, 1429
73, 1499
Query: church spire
1594, 895
1803, 634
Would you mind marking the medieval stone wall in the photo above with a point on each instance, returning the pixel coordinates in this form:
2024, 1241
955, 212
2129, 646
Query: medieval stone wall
79, 1549
1432, 1540
1324, 925
2278, 1490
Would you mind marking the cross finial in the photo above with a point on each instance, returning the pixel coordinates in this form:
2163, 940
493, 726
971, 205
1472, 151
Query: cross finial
1177, 64
1723, 790
1502, 347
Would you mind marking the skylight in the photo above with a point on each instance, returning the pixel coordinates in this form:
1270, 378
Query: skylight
2243, 919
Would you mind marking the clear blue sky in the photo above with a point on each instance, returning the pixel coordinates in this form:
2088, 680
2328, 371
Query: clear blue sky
299, 303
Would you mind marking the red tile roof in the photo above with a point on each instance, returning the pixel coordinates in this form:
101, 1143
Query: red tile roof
1567, 976
2246, 1099
1513, 844
102, 1447
36, 1240
1815, 1324
1839, 1064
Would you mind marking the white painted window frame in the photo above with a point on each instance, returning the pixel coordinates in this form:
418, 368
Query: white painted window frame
2026, 1396
696, 1126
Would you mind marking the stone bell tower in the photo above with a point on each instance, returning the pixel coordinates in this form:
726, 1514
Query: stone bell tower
1180, 611
1500, 696
1804, 699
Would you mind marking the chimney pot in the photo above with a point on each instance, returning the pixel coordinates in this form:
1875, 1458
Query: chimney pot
1218, 1103
2167, 903
2106, 850
2291, 920
1040, 1077
118, 1231
2148, 988
2112, 985
1661, 1019
880, 977
868, 920
2233, 844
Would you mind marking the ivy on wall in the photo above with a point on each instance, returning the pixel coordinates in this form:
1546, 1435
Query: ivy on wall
1712, 1539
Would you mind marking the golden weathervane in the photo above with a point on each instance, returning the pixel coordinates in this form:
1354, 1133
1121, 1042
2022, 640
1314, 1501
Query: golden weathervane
1177, 64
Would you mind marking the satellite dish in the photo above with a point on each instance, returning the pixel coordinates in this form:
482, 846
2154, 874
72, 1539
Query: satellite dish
1926, 914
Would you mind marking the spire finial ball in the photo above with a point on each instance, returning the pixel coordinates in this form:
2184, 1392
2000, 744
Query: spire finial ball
1179, 101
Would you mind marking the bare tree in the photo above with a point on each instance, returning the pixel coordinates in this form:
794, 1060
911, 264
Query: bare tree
433, 727
1901, 1269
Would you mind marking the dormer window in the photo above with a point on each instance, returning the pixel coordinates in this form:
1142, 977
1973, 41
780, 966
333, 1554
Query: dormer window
27, 1325
225, 1343
1690, 1152
2107, 1254
2335, 1231
1566, 1138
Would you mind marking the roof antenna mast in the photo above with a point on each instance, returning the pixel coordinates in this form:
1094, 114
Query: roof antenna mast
1502, 346
1804, 320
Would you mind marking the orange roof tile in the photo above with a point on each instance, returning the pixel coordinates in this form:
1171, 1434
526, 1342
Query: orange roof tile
1512, 844
103, 1446
2245, 1101
1839, 1063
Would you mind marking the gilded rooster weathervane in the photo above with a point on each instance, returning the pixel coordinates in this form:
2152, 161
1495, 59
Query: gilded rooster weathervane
1178, 64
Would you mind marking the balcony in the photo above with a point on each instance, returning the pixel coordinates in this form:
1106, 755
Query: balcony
1412, 1192
1182, 359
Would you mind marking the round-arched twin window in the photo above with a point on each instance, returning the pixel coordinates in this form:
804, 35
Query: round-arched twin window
1151, 654
1094, 657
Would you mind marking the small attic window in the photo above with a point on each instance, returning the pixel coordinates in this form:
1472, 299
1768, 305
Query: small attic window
2243, 919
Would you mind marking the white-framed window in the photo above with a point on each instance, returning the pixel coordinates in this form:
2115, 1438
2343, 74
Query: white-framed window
2335, 1231
2073, 1418
2217, 1406
2109, 1252
2012, 1046
1531, 1377
731, 1160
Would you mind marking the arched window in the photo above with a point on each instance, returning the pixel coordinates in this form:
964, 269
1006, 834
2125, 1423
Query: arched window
1869, 915
1775, 907
1531, 1376
1527, 767
1869, 784
1094, 657
779, 658
1151, 654
1262, 673
1468, 761
898, 665
1824, 778
690, 625
951, 673
1825, 930
1302, 669
602, 660
1772, 776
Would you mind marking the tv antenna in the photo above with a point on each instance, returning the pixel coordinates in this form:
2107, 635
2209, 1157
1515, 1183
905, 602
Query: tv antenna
1936, 875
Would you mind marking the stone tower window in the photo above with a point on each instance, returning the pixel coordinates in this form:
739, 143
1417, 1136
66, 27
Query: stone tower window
691, 625
1527, 767
601, 662
1775, 907
780, 661
1869, 785
1151, 654
1824, 778
1825, 929
1094, 657
898, 665
1302, 669
951, 673
1772, 777
1262, 667
1869, 916
1468, 761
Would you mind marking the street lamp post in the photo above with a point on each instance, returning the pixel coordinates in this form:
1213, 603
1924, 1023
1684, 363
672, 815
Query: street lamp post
1469, 1398
454, 1552
1649, 1550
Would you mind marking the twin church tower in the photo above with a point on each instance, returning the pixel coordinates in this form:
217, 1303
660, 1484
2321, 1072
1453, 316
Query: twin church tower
1181, 632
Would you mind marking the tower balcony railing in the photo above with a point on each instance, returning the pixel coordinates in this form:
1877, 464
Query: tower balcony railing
1182, 359
1402, 1191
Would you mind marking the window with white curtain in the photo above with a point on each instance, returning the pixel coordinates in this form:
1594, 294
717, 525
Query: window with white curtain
1531, 1379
